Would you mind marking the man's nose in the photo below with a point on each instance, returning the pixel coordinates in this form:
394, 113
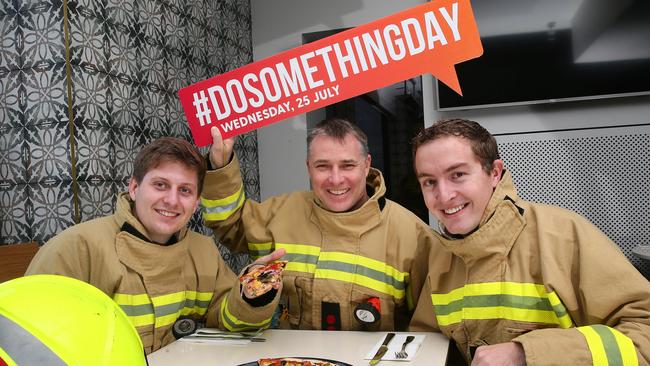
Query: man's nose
171, 197
335, 176
445, 192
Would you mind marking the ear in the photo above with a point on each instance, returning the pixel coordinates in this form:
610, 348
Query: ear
197, 203
497, 170
368, 163
133, 185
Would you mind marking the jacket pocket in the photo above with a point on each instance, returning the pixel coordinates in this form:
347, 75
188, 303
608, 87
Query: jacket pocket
513, 329
297, 293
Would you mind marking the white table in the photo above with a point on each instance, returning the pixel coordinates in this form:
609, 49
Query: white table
350, 347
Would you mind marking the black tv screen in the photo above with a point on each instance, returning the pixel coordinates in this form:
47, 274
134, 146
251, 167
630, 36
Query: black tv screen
540, 51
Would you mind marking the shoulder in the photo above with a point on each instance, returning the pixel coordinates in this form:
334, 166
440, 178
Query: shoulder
402, 215
292, 200
553, 217
89, 233
200, 242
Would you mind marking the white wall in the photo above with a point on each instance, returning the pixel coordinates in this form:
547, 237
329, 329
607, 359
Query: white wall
278, 25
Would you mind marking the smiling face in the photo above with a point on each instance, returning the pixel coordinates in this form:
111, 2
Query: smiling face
455, 186
165, 199
338, 171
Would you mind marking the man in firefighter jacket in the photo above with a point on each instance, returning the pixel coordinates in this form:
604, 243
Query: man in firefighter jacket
147, 260
514, 282
350, 251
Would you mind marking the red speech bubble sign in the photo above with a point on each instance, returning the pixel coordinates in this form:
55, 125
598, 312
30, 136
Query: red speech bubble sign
432, 37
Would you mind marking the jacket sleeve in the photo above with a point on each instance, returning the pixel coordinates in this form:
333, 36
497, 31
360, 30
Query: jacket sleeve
609, 303
239, 223
229, 311
428, 258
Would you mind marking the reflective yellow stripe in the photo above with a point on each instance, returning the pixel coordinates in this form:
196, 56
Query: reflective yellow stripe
163, 310
170, 298
366, 262
596, 347
346, 267
363, 271
300, 267
498, 312
299, 248
500, 300
609, 346
628, 350
142, 320
565, 320
5, 357
360, 280
233, 324
138, 308
221, 209
257, 250
124, 299
301, 257
260, 246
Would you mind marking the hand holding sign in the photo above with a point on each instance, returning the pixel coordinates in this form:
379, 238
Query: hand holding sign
221, 149
432, 37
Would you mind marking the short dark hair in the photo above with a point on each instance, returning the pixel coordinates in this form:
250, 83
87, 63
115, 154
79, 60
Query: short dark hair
338, 128
166, 149
483, 144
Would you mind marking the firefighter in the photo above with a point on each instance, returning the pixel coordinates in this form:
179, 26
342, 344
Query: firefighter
350, 249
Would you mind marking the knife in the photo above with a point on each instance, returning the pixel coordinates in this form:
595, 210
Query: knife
382, 350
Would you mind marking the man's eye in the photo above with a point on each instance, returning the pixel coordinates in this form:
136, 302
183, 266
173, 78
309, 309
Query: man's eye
458, 174
186, 191
159, 185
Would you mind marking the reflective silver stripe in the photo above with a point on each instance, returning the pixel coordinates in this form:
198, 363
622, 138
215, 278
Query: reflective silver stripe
24, 348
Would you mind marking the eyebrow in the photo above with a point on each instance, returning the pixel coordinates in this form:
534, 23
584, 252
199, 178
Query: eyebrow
191, 184
450, 169
345, 161
455, 166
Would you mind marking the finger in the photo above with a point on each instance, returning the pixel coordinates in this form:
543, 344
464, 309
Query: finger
216, 136
216, 150
228, 145
277, 254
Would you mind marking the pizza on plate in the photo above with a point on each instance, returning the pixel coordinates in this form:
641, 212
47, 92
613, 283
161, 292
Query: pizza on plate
292, 362
262, 279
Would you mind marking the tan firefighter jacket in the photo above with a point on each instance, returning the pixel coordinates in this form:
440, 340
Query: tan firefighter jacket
541, 276
154, 284
336, 260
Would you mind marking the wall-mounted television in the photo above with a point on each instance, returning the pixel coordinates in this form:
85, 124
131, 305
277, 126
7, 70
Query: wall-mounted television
543, 51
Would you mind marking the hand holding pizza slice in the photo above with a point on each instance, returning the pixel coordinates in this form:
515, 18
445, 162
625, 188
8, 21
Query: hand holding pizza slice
262, 278
263, 275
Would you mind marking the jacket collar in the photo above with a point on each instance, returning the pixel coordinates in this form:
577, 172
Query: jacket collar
124, 214
505, 189
136, 251
501, 224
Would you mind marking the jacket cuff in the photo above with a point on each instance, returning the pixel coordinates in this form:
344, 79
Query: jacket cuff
222, 182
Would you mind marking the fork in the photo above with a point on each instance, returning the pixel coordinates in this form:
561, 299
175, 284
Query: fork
402, 354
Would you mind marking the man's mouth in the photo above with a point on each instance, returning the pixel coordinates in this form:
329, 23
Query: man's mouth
453, 210
338, 192
167, 213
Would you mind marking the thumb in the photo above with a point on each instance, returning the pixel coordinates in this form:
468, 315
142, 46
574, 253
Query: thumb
277, 254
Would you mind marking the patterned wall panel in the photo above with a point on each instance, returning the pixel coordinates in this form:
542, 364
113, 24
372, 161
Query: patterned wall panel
127, 60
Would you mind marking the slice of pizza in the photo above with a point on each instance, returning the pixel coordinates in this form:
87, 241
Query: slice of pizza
262, 279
